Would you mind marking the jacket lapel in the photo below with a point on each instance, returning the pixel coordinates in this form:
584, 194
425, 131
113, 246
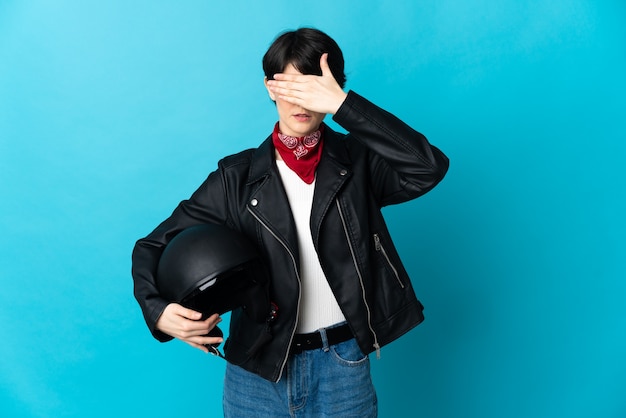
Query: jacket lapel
333, 171
268, 201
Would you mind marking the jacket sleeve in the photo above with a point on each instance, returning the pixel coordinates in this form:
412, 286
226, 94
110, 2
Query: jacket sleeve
206, 205
403, 164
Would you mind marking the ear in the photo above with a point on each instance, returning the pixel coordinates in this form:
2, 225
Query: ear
271, 93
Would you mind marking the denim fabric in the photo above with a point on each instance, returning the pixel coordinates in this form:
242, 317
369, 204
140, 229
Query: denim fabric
332, 381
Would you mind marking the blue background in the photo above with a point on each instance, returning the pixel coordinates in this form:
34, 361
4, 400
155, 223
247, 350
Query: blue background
112, 112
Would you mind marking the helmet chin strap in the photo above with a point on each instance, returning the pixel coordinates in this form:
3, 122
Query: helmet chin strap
213, 348
215, 351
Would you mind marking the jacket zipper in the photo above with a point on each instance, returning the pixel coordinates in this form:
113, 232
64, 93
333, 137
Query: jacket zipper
358, 272
381, 249
295, 268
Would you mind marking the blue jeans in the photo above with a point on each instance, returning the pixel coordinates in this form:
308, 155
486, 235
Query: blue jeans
333, 381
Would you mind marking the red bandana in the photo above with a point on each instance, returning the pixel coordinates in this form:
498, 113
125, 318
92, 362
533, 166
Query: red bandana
303, 154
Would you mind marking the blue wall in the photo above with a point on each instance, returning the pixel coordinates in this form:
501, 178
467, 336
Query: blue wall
111, 112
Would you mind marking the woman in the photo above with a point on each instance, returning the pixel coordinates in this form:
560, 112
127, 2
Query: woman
309, 198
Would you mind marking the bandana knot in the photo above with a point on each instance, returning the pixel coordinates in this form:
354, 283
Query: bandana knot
300, 146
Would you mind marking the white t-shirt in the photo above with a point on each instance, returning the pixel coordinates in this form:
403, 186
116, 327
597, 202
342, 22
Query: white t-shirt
318, 306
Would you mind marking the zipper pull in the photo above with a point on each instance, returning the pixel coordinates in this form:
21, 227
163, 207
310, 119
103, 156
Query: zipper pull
377, 347
377, 242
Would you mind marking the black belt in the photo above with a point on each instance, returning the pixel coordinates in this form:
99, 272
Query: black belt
313, 340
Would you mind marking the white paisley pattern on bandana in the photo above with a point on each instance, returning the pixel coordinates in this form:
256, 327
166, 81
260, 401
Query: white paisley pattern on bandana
300, 146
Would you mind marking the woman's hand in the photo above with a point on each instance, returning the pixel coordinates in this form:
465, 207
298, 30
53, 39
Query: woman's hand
187, 325
320, 94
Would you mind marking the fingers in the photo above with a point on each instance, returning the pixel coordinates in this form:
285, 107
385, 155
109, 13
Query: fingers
290, 81
184, 312
187, 325
201, 342
198, 346
324, 65
189, 329
293, 88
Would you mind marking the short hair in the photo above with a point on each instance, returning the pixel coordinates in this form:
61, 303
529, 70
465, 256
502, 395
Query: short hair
303, 48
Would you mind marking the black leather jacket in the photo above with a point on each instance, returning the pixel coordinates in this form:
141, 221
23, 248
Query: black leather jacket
382, 161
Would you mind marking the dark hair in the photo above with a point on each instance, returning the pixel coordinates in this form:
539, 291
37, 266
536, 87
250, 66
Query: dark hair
303, 48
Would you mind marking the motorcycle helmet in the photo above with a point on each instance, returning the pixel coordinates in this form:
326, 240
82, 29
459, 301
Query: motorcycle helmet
214, 269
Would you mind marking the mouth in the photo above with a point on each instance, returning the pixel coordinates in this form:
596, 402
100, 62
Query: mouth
302, 117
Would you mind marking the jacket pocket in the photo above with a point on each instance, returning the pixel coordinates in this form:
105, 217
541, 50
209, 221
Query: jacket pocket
380, 249
246, 338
